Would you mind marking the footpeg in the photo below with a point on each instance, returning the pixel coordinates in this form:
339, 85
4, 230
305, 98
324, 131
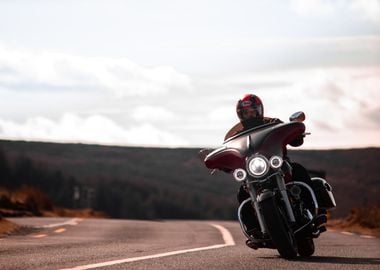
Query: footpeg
252, 244
261, 244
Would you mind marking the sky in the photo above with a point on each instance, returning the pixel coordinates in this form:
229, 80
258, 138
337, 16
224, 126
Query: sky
168, 73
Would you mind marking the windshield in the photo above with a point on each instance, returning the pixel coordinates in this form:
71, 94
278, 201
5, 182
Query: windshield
248, 131
269, 139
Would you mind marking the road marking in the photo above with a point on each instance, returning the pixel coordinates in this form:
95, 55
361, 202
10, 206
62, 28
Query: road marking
227, 237
367, 236
39, 235
72, 222
60, 230
350, 233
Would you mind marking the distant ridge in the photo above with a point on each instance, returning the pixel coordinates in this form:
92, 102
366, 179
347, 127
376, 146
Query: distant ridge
146, 182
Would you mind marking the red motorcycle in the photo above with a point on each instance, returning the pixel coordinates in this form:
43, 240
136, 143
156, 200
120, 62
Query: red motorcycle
289, 214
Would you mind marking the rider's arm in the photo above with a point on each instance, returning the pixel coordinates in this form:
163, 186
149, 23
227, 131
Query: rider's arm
234, 130
268, 120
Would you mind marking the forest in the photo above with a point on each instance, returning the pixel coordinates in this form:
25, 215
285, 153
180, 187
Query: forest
165, 183
129, 195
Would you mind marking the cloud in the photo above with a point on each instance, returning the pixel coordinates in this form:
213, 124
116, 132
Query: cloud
374, 115
367, 9
348, 88
338, 101
153, 113
32, 70
341, 44
221, 114
312, 7
324, 125
284, 52
341, 106
92, 129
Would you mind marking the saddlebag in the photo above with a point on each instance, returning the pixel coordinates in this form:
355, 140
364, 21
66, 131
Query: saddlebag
323, 192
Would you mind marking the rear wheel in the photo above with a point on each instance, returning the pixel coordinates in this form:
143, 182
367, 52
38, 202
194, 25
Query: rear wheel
279, 229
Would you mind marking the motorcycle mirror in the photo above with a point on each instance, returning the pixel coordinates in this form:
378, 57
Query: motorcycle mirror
297, 117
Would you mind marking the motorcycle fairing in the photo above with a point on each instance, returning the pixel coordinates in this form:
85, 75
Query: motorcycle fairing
226, 159
268, 140
273, 140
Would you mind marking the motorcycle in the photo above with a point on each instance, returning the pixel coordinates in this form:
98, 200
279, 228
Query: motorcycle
288, 213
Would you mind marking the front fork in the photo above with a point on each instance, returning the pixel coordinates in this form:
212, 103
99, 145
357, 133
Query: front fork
285, 198
256, 206
255, 201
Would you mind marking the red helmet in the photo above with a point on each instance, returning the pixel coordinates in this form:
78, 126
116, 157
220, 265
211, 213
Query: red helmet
250, 107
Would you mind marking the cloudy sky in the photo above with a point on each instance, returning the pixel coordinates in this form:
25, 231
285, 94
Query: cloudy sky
168, 73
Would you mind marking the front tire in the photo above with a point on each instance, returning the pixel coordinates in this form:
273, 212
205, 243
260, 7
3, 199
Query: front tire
279, 229
306, 247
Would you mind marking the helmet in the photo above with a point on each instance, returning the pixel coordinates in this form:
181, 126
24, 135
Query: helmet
250, 107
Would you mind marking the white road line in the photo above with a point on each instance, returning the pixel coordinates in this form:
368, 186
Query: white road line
72, 222
227, 237
60, 230
368, 236
39, 235
350, 233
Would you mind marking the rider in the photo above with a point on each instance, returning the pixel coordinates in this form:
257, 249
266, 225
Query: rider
250, 111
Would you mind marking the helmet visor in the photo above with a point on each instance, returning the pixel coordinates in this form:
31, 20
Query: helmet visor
249, 113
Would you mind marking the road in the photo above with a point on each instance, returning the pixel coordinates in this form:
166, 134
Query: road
66, 243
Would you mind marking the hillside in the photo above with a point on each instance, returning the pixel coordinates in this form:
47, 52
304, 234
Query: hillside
137, 182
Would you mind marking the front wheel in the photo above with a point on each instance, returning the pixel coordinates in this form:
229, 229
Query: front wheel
279, 229
305, 247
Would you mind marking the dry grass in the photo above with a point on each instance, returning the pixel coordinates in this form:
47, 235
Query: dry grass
80, 213
30, 201
7, 227
361, 220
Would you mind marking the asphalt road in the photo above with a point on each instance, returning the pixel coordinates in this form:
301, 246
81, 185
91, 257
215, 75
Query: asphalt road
64, 243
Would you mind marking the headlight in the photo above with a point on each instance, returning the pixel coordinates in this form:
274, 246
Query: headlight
258, 166
240, 175
275, 162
